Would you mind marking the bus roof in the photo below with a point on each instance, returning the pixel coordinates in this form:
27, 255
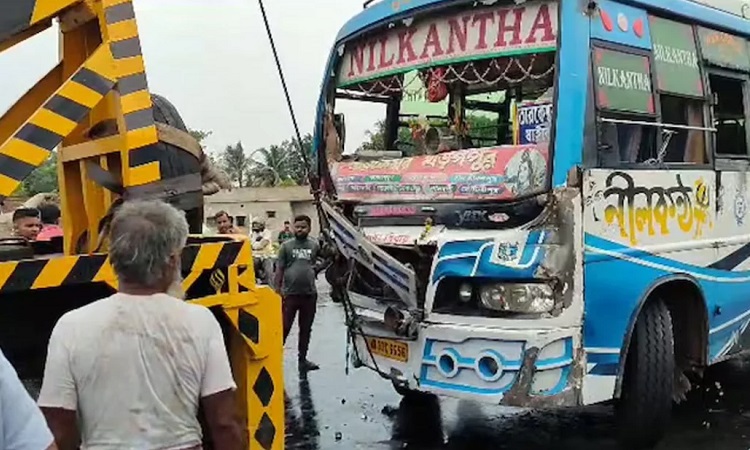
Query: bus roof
735, 7
730, 15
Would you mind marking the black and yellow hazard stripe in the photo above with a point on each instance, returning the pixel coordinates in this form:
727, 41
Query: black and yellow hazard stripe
213, 255
45, 129
121, 31
80, 269
18, 15
257, 360
203, 261
260, 381
45, 273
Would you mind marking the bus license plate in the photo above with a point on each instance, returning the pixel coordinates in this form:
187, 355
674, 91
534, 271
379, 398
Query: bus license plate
395, 350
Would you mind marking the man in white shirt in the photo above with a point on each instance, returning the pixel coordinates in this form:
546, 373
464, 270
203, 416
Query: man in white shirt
131, 370
260, 237
22, 426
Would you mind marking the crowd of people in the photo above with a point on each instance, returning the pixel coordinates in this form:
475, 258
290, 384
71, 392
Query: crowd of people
260, 235
292, 273
132, 370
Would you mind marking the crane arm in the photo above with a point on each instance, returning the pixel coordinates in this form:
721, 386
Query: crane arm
18, 16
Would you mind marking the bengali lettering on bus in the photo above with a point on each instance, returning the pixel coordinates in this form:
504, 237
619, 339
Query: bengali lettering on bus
534, 123
489, 173
639, 210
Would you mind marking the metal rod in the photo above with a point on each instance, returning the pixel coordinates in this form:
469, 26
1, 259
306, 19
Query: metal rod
656, 124
362, 98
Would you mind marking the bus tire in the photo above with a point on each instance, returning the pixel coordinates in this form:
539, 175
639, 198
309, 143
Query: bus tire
645, 405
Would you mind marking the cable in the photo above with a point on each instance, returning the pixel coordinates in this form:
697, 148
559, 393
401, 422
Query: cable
310, 177
348, 307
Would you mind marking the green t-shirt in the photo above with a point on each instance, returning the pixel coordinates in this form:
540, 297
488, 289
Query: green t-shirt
285, 236
297, 260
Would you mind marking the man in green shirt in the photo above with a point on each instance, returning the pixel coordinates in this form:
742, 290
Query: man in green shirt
297, 268
286, 233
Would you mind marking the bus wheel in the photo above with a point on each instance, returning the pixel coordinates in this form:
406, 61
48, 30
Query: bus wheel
645, 404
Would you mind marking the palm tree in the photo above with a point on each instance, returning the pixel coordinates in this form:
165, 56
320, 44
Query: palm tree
236, 164
268, 166
279, 164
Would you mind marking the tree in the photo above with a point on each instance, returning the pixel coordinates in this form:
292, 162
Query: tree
43, 179
481, 129
281, 165
301, 153
200, 136
375, 138
235, 164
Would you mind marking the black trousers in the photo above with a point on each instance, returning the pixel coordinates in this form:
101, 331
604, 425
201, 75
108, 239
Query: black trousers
305, 305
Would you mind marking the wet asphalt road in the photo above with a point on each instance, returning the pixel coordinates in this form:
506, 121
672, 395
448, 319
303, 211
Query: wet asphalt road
330, 410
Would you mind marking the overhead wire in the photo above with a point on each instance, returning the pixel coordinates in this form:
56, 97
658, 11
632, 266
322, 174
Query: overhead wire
311, 177
352, 318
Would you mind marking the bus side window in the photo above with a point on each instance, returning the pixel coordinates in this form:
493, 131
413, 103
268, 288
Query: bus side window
685, 146
729, 115
625, 143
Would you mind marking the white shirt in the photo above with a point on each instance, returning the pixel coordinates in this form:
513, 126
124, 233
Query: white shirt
264, 235
22, 425
135, 367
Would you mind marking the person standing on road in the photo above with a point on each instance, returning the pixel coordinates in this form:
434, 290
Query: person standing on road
22, 425
286, 233
296, 271
131, 370
224, 223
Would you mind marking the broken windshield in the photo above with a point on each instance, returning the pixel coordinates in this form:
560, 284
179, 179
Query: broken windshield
463, 103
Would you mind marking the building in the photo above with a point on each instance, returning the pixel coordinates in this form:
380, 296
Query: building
274, 205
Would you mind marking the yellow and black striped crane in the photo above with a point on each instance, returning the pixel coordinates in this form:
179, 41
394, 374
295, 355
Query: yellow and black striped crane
114, 141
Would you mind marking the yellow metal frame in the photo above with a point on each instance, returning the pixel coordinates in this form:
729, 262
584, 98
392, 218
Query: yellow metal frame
101, 78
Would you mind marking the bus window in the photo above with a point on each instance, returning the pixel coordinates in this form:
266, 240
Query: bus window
626, 106
729, 115
685, 146
625, 143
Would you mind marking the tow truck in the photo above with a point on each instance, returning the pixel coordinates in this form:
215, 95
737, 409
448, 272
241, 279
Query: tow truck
116, 141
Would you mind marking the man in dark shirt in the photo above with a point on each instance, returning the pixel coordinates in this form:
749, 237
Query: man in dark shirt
296, 271
286, 233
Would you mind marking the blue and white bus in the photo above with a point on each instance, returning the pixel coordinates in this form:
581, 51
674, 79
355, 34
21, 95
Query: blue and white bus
553, 209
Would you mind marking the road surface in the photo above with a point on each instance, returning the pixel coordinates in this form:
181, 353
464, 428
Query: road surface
330, 410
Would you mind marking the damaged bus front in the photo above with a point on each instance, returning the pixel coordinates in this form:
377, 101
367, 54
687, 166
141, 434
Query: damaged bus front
458, 259
521, 149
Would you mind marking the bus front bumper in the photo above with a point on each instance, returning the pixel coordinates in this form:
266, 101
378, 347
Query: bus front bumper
535, 368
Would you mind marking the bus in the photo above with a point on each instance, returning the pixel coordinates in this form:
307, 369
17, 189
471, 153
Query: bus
564, 220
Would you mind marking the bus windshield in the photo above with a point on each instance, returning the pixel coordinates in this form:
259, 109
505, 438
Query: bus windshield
467, 102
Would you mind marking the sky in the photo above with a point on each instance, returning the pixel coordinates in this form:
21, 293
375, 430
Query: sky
212, 59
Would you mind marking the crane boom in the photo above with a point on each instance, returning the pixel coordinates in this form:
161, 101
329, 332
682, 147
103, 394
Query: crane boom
115, 141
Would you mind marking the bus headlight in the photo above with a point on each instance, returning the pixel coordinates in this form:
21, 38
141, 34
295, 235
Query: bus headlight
527, 298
